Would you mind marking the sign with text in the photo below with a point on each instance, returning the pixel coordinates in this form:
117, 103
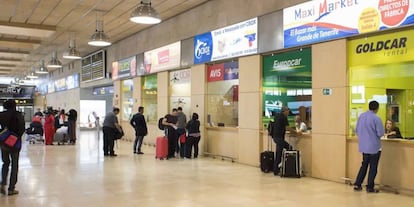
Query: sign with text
223, 71
382, 49
322, 20
180, 76
163, 58
233, 41
124, 68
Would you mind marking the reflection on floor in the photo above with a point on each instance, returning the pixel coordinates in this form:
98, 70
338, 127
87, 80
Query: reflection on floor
80, 176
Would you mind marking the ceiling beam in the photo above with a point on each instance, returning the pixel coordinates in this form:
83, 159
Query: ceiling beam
30, 30
19, 43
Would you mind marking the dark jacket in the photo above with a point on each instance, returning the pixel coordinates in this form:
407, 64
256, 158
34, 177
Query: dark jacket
193, 128
139, 124
14, 121
279, 127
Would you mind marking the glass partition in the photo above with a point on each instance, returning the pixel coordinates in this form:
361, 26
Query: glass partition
287, 81
223, 94
127, 88
180, 90
149, 98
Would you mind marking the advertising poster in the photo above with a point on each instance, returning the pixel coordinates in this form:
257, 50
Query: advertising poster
180, 77
233, 41
322, 20
163, 58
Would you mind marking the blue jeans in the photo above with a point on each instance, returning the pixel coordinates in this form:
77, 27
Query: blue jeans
9, 157
370, 160
138, 143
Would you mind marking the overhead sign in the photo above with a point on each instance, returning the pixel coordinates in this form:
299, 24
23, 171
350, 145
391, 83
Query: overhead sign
321, 20
124, 68
163, 58
382, 49
223, 71
233, 41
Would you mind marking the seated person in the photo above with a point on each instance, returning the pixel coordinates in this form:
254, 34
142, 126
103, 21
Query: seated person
391, 131
300, 125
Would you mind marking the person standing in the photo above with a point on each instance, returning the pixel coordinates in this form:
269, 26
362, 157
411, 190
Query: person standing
72, 117
14, 121
110, 124
140, 126
193, 127
369, 129
170, 123
182, 121
281, 125
49, 126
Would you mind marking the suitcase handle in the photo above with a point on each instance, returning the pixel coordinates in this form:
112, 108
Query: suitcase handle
269, 143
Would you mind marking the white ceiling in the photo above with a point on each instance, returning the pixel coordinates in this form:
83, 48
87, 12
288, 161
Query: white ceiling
30, 30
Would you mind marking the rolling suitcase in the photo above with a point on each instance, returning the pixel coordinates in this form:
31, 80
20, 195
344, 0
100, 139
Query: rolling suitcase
161, 148
267, 158
291, 164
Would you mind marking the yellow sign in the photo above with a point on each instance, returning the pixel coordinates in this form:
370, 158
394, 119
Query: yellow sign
382, 49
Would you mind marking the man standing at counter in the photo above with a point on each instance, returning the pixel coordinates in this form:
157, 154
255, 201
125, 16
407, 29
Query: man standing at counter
279, 130
369, 130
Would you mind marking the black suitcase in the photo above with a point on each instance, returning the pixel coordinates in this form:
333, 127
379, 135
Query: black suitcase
291, 164
267, 158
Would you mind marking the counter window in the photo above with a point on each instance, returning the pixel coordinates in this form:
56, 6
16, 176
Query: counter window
223, 94
149, 97
127, 100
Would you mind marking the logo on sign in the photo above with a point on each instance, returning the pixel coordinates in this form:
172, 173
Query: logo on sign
201, 48
215, 73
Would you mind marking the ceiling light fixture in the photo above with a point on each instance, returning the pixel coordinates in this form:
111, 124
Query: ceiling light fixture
32, 74
72, 52
99, 38
54, 62
145, 14
42, 69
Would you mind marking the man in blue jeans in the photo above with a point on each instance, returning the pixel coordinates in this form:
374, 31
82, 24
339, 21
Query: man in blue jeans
140, 126
369, 130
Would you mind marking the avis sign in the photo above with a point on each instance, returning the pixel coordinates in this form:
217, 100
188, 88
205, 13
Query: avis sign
223, 71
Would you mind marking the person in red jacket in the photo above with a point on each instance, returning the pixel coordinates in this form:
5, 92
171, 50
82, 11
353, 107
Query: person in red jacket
49, 127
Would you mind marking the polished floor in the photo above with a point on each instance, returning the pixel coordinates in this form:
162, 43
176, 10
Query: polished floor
81, 176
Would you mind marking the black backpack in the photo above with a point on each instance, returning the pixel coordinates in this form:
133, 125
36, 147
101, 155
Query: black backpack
270, 128
160, 125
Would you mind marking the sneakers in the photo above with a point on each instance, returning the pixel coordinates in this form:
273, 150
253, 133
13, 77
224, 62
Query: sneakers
357, 188
372, 190
140, 153
13, 192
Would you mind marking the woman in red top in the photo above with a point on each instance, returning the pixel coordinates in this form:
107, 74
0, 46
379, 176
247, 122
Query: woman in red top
49, 127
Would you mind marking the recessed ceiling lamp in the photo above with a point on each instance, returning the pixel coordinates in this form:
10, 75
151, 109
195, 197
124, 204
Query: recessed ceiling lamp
42, 69
72, 52
54, 62
99, 38
145, 14
32, 74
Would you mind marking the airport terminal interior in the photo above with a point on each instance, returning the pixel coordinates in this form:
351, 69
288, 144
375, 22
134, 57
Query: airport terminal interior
79, 175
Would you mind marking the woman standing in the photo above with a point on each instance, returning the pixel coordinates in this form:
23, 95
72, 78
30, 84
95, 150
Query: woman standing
49, 127
193, 138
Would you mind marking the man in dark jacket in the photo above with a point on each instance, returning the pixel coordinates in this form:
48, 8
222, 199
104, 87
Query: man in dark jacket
14, 121
140, 126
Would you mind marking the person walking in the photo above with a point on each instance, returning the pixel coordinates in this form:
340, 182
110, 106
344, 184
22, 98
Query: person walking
110, 124
193, 138
140, 126
14, 121
369, 130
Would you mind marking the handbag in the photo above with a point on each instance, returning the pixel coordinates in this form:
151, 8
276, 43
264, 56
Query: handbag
182, 138
9, 139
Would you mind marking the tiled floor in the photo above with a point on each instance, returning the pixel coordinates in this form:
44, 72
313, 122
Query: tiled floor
80, 176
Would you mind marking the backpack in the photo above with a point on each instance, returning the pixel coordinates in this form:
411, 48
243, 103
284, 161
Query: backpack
160, 125
270, 128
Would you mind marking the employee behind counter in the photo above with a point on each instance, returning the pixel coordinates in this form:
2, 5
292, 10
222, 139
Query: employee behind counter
391, 131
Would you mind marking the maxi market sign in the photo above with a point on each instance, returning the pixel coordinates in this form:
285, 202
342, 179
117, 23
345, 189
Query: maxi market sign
233, 41
322, 20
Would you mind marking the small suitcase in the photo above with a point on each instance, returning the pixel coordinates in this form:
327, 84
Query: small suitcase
161, 148
291, 164
267, 158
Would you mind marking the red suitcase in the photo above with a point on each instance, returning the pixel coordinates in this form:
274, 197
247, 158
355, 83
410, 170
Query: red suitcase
161, 148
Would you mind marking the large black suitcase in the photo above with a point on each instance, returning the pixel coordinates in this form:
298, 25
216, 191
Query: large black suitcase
291, 164
267, 158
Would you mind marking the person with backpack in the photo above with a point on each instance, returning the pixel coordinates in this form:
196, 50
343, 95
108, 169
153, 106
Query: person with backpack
170, 126
14, 121
140, 126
